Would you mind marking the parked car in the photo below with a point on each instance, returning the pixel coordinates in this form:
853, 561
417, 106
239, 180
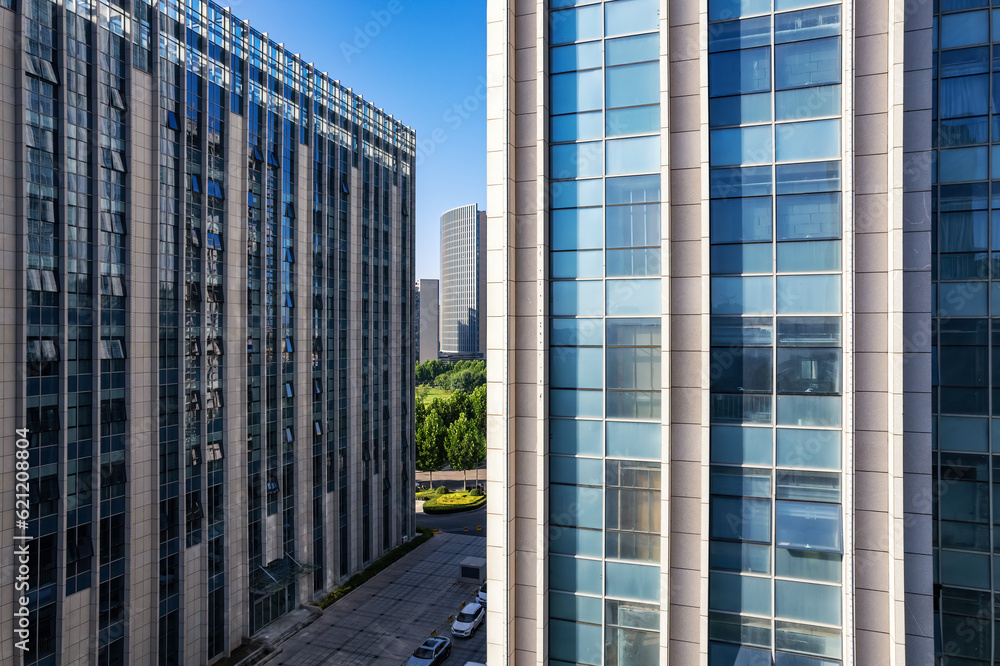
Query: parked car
481, 595
431, 652
473, 663
468, 620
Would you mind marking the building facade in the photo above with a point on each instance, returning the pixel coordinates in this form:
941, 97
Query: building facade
463, 268
428, 325
710, 343
178, 188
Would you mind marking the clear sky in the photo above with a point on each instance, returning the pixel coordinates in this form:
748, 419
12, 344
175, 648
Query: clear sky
423, 61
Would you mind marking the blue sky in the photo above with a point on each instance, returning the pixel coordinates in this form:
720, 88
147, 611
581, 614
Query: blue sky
423, 61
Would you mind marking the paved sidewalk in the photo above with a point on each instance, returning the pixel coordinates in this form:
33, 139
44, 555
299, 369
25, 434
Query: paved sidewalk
386, 618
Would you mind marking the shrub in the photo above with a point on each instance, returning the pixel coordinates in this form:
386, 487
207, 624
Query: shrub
375, 567
475, 492
441, 490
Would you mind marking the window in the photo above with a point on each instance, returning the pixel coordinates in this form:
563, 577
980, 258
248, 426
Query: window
172, 121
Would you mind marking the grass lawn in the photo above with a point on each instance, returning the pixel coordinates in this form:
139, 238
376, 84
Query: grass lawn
454, 502
433, 392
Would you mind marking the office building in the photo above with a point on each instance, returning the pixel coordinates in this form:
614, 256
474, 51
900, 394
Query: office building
713, 290
207, 285
428, 326
463, 271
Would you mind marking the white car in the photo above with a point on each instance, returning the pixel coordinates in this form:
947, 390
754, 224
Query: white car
468, 620
481, 595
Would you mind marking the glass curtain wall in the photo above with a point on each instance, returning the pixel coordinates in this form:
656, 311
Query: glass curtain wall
966, 376
604, 367
776, 520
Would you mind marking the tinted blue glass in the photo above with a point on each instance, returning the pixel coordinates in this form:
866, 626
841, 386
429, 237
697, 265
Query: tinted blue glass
738, 295
633, 297
575, 25
573, 160
633, 368
633, 120
809, 332
633, 581
577, 264
740, 481
741, 519
741, 446
576, 367
962, 62
577, 298
574, 607
807, 216
633, 190
576, 332
626, 50
634, 155
807, 24
727, 654
809, 256
576, 506
740, 182
574, 470
576, 126
809, 410
807, 370
807, 601
964, 96
742, 258
622, 263
814, 140
807, 485
962, 299
634, 332
625, 16
808, 564
807, 102
574, 57
633, 226
808, 526
808, 294
632, 85
571, 194
739, 594
958, 164
576, 643
727, 9
633, 440
572, 541
577, 228
634, 404
576, 91
963, 433
745, 557
742, 331
740, 145
964, 29
739, 34
740, 220
802, 64
804, 178
566, 402
739, 110
739, 72
741, 370
576, 437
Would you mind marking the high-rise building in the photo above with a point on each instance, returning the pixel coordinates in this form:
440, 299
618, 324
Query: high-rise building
711, 228
207, 278
428, 325
463, 287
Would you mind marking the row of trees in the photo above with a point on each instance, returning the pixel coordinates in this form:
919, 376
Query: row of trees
453, 432
457, 376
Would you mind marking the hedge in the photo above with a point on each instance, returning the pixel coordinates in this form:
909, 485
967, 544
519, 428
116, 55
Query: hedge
454, 503
374, 568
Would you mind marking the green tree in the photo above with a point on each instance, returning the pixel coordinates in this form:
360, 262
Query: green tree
431, 443
478, 400
422, 373
457, 403
419, 412
434, 368
465, 448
